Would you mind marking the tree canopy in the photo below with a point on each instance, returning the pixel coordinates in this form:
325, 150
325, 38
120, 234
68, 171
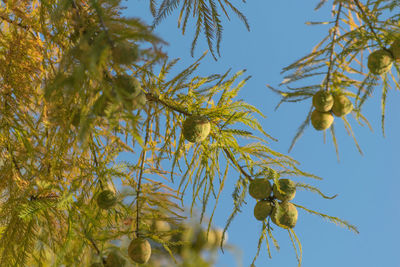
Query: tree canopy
83, 86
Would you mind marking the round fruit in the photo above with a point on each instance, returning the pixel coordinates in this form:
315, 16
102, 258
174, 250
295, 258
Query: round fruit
322, 101
284, 215
288, 188
139, 250
125, 53
395, 49
196, 128
201, 240
321, 120
130, 86
106, 199
262, 210
341, 106
260, 188
114, 259
380, 62
161, 227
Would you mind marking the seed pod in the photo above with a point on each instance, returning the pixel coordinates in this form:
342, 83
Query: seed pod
260, 188
395, 49
288, 188
341, 106
106, 199
202, 240
196, 128
129, 85
139, 250
322, 101
284, 214
262, 210
380, 62
321, 120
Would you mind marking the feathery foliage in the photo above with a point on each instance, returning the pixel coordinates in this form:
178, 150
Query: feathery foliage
83, 87
337, 63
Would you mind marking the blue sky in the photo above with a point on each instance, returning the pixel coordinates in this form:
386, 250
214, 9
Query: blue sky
367, 185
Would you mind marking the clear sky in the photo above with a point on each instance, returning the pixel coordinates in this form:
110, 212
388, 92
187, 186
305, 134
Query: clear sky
367, 185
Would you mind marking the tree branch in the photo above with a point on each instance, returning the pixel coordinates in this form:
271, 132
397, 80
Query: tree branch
366, 20
331, 60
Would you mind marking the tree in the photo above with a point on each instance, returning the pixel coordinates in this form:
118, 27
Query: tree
82, 85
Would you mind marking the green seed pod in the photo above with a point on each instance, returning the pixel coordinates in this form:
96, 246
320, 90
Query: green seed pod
321, 120
262, 210
124, 53
201, 240
114, 259
196, 128
288, 188
395, 49
380, 62
106, 199
139, 250
284, 214
341, 106
322, 101
260, 188
129, 85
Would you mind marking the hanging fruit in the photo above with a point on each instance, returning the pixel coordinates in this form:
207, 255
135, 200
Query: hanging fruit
196, 128
284, 214
139, 250
287, 190
322, 101
380, 62
260, 188
321, 120
106, 199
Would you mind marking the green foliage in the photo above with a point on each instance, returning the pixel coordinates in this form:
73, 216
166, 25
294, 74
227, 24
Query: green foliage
337, 63
207, 15
72, 104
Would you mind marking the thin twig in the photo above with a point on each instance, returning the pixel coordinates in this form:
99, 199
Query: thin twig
331, 59
94, 245
103, 25
152, 97
366, 20
237, 165
141, 171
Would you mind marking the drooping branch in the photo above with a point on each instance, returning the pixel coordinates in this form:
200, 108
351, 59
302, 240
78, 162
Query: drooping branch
367, 21
143, 156
331, 50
